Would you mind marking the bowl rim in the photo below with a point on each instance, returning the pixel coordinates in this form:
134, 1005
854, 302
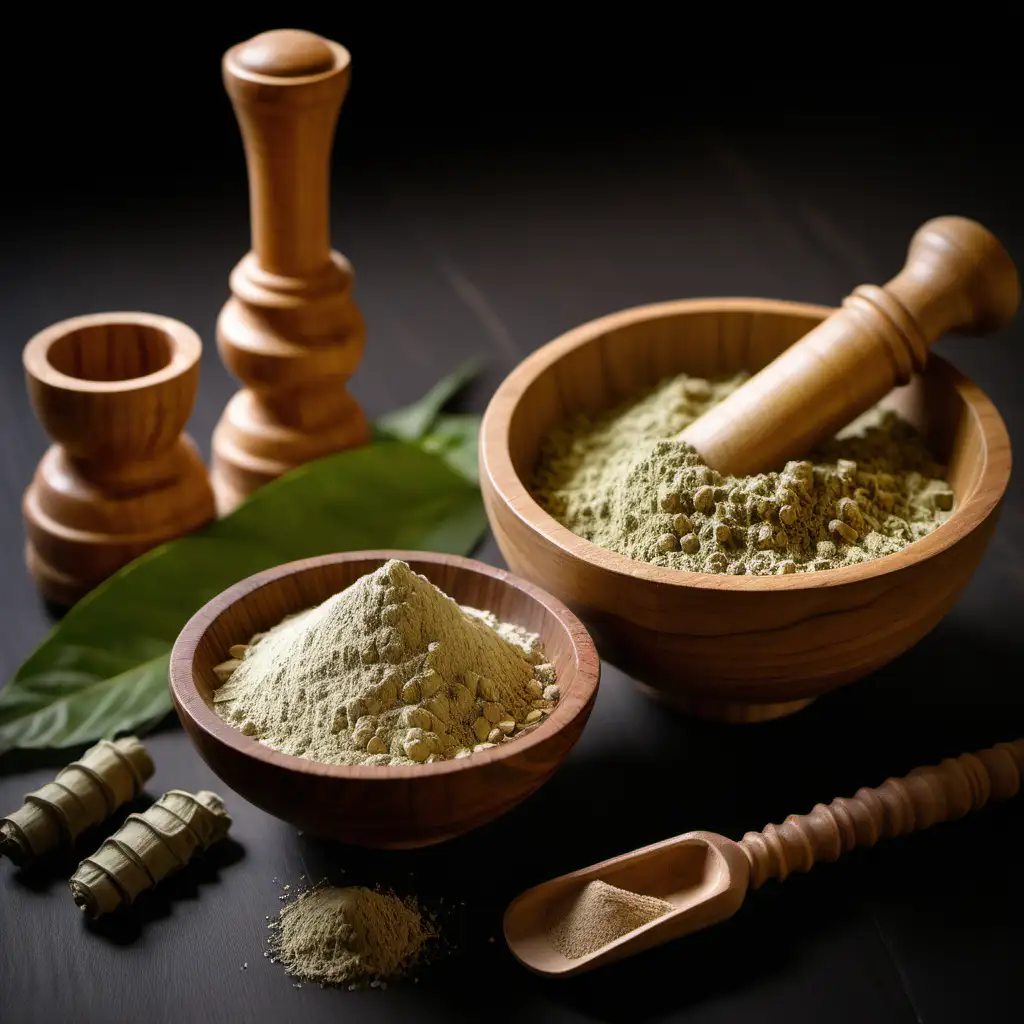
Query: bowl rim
576, 700
500, 474
183, 343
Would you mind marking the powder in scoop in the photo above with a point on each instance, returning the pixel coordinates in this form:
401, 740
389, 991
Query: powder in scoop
624, 482
600, 913
346, 936
389, 671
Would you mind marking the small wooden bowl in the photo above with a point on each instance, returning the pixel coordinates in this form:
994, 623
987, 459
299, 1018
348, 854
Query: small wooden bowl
736, 648
388, 807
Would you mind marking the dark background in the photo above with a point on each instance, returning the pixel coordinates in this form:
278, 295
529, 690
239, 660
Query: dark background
496, 184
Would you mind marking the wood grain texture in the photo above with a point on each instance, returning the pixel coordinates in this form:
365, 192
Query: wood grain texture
957, 276
925, 797
389, 806
706, 876
291, 330
703, 876
114, 392
739, 648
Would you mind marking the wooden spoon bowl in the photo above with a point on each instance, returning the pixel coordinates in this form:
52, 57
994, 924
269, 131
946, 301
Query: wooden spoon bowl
737, 648
381, 806
703, 875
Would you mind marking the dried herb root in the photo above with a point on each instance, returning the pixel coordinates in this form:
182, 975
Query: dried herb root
148, 848
83, 794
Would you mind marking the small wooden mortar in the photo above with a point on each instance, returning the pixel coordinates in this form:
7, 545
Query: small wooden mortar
114, 391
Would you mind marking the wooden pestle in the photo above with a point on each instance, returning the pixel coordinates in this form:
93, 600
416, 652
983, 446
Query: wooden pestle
958, 277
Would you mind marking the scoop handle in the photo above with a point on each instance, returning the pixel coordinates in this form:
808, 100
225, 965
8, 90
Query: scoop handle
957, 277
925, 797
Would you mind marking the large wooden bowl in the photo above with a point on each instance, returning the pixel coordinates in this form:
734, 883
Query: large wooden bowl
738, 648
389, 807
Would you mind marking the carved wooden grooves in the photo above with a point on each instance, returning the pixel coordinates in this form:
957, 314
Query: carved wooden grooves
291, 330
957, 277
925, 797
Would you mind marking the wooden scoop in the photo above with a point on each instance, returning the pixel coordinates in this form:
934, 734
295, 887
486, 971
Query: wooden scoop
957, 277
706, 876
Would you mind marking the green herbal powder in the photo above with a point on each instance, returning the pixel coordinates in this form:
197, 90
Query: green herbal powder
389, 671
348, 936
625, 482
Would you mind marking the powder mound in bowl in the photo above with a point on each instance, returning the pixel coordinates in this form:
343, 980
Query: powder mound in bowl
389, 671
345, 936
601, 913
625, 482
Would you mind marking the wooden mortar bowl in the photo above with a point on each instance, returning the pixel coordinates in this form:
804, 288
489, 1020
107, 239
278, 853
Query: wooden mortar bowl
735, 648
388, 807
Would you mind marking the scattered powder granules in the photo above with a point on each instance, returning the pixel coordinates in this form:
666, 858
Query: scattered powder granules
601, 913
389, 671
348, 936
625, 482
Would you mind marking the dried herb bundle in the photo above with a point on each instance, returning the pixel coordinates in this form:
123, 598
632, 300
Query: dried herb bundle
83, 794
148, 848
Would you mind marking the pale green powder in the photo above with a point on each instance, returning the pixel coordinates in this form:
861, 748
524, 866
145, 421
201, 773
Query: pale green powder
624, 482
389, 671
347, 936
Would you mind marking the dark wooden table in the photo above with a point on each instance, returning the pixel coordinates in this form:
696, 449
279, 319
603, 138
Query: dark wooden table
494, 250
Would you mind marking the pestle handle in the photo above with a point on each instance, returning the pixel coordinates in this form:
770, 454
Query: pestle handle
287, 87
957, 277
925, 797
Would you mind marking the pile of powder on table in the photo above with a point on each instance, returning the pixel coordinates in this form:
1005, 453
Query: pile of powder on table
624, 482
347, 936
389, 671
600, 913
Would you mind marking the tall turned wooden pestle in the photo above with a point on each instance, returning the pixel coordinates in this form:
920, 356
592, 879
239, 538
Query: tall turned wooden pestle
290, 330
957, 277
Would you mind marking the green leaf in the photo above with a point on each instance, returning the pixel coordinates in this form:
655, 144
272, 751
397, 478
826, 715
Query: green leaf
71, 709
103, 669
414, 421
454, 437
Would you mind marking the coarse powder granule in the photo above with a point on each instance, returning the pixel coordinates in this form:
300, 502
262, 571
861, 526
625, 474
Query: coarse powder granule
600, 913
625, 482
389, 671
347, 936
